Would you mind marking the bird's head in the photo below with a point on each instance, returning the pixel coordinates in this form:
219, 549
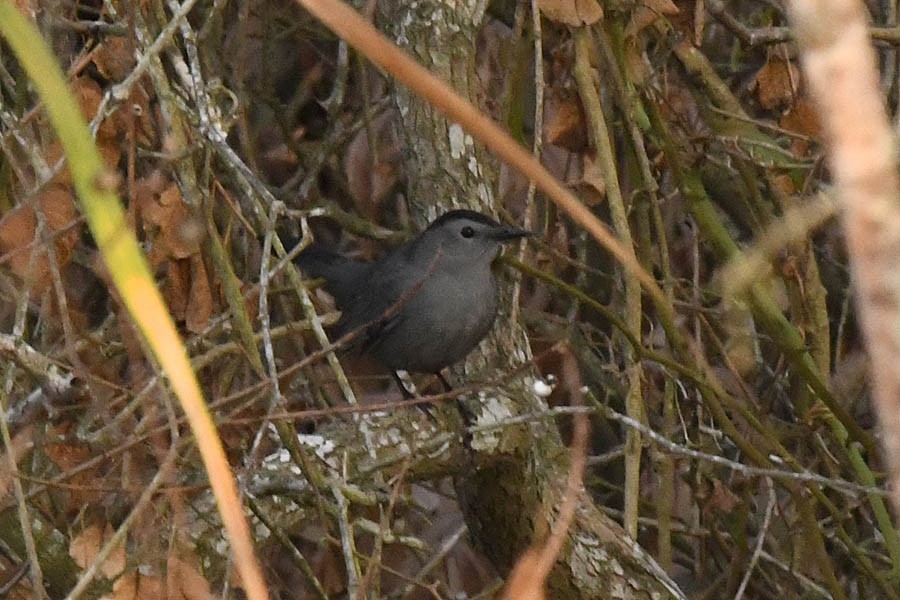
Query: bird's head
465, 235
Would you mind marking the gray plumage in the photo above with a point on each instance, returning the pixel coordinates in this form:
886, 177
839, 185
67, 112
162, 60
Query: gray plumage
428, 303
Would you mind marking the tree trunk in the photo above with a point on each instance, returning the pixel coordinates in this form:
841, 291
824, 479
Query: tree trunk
512, 488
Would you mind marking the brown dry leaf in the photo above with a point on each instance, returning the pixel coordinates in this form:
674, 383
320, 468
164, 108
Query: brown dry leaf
133, 586
89, 95
523, 582
141, 114
637, 66
125, 588
574, 13
801, 118
85, 547
186, 289
66, 456
169, 219
200, 303
115, 57
783, 184
58, 206
136, 114
564, 123
777, 83
19, 227
145, 191
646, 12
370, 177
110, 153
722, 499
177, 287
53, 153
592, 185
183, 581
22, 442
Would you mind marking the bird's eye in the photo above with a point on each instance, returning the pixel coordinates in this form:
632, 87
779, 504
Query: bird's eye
467, 232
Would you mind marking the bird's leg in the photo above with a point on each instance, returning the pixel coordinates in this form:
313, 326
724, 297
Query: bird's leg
467, 416
447, 386
407, 395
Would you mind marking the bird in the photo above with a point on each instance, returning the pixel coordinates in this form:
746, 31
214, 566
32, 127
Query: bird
425, 305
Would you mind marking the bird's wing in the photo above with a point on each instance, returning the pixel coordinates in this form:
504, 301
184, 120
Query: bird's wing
342, 275
378, 302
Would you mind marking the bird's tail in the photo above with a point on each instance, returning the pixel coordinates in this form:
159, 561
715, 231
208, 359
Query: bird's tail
342, 275
318, 261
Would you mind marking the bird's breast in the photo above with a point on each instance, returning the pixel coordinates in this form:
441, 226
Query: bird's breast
441, 323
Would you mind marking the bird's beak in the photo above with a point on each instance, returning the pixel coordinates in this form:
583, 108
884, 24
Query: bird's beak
506, 234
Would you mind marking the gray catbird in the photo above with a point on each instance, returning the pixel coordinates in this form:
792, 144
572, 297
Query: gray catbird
428, 303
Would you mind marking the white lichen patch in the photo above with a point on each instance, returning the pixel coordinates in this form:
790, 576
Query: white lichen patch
457, 138
521, 355
492, 411
493, 408
484, 192
589, 562
321, 446
277, 461
474, 169
393, 437
222, 547
438, 451
378, 436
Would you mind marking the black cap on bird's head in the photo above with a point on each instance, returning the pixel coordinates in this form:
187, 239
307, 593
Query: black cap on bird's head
460, 214
464, 236
498, 232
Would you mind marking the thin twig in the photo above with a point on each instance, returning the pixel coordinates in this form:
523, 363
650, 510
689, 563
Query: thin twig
760, 540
